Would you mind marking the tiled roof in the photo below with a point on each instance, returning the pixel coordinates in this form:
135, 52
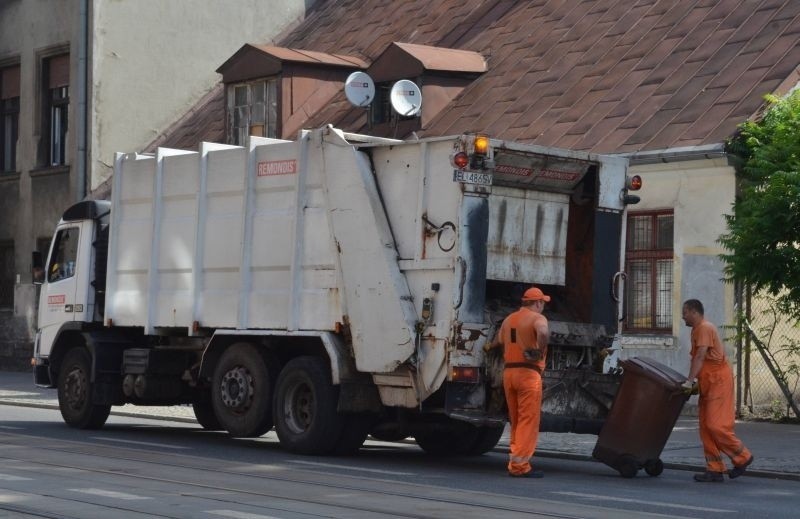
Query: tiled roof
600, 75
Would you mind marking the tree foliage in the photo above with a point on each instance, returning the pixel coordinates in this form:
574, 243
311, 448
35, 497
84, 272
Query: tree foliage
763, 238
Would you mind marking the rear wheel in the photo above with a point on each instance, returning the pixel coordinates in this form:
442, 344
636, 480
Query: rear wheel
305, 404
241, 391
75, 398
456, 440
485, 441
204, 413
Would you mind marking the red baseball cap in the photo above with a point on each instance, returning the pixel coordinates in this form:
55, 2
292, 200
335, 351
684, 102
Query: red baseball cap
535, 294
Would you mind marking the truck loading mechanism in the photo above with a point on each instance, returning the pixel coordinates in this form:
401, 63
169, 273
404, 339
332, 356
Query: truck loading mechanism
335, 286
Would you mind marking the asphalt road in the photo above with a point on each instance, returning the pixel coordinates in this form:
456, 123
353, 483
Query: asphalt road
135, 467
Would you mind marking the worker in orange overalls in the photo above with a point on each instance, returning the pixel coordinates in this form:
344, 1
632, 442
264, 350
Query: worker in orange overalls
524, 335
715, 384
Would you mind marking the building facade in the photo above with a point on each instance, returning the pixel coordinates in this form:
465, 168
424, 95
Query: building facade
82, 79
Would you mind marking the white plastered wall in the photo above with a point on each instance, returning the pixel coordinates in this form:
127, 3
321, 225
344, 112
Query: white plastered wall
153, 60
701, 192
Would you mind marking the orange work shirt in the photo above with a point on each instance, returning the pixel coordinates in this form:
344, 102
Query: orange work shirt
705, 334
518, 333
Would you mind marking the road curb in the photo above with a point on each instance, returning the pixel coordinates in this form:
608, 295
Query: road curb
502, 449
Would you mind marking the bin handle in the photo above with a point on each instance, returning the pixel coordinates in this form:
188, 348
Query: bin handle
614, 280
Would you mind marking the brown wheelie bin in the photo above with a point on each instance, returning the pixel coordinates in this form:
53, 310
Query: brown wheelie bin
641, 418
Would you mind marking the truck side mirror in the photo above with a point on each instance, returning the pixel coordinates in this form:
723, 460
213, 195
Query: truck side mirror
37, 268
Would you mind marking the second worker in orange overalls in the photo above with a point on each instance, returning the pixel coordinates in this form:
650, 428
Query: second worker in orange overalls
716, 409
524, 335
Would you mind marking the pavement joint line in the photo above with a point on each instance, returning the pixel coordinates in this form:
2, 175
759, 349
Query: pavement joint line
500, 449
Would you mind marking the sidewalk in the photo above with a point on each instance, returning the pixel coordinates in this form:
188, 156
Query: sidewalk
775, 446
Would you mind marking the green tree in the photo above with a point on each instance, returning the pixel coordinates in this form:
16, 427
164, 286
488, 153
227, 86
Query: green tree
763, 238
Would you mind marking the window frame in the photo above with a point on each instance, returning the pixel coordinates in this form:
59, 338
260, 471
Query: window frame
653, 256
53, 105
62, 266
258, 113
9, 119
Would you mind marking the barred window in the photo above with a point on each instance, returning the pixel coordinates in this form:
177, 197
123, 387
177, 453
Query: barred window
648, 261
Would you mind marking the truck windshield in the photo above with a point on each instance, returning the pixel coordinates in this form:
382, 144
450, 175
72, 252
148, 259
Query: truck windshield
65, 252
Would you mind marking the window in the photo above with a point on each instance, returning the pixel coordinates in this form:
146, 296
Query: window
648, 261
381, 110
55, 109
65, 253
252, 110
6, 274
9, 117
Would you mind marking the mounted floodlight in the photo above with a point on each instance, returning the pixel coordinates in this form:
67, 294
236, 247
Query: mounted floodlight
359, 89
406, 98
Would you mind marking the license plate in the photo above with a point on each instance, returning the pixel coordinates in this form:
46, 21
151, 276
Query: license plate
471, 177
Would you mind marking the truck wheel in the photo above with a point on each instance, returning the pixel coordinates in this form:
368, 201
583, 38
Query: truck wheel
241, 391
204, 413
354, 433
305, 403
485, 441
458, 439
75, 392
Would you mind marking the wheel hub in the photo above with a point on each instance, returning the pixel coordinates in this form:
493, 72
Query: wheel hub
76, 388
236, 388
300, 412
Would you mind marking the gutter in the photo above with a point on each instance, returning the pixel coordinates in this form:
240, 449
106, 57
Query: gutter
682, 154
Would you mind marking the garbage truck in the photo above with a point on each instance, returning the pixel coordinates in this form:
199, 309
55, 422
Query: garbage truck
334, 287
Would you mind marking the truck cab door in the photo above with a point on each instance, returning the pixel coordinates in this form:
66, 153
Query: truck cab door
57, 302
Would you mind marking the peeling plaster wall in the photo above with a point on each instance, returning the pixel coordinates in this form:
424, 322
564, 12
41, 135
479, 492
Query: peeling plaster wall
700, 192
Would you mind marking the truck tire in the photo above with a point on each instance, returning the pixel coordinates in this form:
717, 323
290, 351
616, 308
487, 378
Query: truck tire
305, 404
75, 399
485, 440
241, 391
204, 413
354, 433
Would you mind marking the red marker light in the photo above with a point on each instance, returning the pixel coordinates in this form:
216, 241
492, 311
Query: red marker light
460, 160
635, 183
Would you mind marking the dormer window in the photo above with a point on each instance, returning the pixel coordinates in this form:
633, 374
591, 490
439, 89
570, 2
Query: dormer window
252, 110
381, 108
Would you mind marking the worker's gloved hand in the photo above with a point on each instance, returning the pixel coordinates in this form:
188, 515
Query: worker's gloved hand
487, 346
689, 388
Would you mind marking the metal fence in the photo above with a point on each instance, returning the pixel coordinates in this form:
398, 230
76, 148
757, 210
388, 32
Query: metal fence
768, 367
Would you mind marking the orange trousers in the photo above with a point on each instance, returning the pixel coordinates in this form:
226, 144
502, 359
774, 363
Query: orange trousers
523, 389
716, 409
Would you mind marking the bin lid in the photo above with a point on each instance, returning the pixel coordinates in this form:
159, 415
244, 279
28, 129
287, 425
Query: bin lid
655, 370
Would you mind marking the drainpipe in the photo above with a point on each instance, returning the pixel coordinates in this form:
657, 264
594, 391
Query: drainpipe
82, 87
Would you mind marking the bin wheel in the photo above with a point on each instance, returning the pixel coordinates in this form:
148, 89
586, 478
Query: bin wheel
627, 466
654, 467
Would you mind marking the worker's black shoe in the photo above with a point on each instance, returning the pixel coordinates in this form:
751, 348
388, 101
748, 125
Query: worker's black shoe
709, 477
532, 474
738, 470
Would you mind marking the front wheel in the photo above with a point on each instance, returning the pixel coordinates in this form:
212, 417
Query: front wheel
306, 418
75, 398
